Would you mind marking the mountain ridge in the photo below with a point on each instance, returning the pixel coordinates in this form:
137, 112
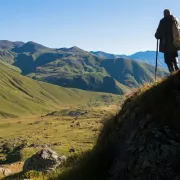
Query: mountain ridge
148, 56
76, 68
6, 44
30, 47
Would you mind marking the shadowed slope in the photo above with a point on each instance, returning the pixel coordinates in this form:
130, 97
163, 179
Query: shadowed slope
141, 141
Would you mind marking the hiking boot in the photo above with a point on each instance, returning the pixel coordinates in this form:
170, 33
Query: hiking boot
176, 67
171, 69
175, 63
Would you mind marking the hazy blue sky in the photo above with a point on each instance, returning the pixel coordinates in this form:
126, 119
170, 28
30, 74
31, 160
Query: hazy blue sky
115, 26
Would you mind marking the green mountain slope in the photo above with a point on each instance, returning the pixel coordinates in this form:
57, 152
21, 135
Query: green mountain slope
11, 66
130, 72
21, 95
88, 81
76, 68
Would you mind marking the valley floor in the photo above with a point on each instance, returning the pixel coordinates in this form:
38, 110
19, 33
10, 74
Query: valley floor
68, 132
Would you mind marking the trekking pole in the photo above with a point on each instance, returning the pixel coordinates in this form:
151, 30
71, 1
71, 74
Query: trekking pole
156, 58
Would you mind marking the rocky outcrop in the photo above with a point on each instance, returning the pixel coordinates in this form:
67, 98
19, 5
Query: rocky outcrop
44, 160
146, 151
146, 143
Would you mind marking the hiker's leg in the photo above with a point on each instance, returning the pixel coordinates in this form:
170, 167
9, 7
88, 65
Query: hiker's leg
170, 67
168, 61
175, 60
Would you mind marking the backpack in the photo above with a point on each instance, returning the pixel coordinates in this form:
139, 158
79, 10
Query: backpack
176, 33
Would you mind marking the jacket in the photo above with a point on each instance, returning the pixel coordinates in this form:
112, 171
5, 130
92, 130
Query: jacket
164, 32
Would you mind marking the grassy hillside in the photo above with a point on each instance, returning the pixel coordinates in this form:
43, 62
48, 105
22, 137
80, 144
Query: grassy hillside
89, 81
7, 56
9, 66
76, 68
21, 95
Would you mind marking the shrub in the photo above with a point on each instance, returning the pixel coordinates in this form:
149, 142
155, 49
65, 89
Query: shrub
33, 175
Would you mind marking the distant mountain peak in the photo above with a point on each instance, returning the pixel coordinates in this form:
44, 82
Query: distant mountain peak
8, 45
105, 55
32, 43
30, 47
75, 48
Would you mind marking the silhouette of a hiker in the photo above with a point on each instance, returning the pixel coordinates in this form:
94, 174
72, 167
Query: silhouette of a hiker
164, 32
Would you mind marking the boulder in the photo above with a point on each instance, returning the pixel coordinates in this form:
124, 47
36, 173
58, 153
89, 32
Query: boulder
78, 124
71, 150
74, 113
45, 160
5, 171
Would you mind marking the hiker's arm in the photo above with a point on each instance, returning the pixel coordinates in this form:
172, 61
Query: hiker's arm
159, 31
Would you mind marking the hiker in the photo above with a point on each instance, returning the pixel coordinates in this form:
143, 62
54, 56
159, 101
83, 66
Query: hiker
164, 32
